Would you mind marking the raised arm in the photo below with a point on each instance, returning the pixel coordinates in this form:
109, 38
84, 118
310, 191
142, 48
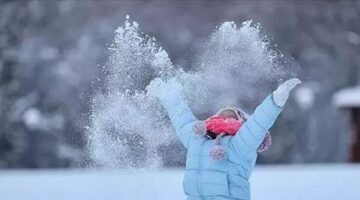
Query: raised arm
180, 114
252, 133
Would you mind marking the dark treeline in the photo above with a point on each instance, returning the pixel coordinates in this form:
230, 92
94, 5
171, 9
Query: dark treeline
51, 53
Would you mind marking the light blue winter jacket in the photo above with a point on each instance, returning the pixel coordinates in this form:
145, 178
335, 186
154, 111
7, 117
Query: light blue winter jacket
209, 179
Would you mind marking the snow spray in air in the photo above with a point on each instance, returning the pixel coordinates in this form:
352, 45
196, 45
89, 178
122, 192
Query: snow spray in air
235, 67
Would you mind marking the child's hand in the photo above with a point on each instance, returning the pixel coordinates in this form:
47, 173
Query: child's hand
281, 94
158, 88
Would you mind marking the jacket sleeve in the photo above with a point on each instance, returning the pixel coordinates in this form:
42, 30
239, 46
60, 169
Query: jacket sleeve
251, 134
180, 115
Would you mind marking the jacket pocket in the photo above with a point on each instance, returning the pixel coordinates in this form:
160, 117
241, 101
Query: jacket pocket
239, 187
190, 183
214, 183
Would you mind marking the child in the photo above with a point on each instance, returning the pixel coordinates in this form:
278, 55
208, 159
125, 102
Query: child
219, 163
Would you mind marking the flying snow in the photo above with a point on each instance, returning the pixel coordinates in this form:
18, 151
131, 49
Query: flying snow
127, 125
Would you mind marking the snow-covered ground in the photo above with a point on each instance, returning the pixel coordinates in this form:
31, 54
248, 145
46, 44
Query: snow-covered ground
287, 182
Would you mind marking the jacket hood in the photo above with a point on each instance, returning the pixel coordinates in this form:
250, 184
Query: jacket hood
240, 114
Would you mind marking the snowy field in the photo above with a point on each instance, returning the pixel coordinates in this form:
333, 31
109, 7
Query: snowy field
295, 182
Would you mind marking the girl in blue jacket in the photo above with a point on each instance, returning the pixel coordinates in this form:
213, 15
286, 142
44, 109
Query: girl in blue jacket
219, 165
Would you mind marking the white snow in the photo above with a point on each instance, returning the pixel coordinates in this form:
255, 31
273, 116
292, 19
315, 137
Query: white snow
349, 97
33, 118
305, 97
238, 65
295, 182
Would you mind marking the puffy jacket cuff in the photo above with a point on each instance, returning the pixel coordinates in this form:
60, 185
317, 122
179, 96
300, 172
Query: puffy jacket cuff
272, 99
272, 108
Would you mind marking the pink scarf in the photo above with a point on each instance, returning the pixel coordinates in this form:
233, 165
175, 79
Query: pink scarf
222, 124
